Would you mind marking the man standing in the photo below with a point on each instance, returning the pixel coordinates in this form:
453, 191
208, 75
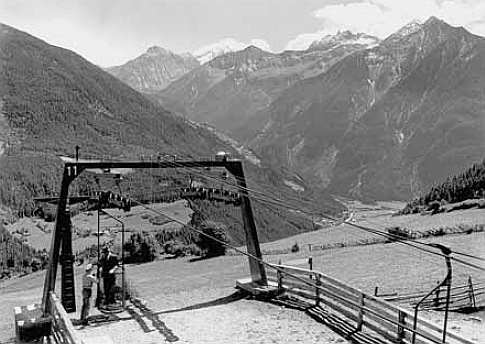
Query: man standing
88, 280
109, 265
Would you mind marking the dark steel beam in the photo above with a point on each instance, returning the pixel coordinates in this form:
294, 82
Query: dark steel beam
62, 230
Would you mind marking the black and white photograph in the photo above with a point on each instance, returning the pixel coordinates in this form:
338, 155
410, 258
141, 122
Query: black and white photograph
242, 171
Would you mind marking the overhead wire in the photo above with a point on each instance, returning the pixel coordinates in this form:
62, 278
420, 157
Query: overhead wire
259, 260
278, 202
264, 193
424, 257
469, 255
393, 237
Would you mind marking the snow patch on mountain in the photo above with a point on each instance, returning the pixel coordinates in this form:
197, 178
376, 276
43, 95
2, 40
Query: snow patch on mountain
345, 38
408, 29
211, 51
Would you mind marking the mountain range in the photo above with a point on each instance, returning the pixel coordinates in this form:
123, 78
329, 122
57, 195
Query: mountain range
358, 116
362, 117
236, 87
53, 100
388, 121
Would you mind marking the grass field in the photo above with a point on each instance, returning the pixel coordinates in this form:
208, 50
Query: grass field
38, 233
380, 219
393, 267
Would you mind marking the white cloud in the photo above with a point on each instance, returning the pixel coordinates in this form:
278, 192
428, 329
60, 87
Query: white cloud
383, 17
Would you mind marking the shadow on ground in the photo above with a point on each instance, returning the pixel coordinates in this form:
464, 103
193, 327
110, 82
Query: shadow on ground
151, 315
236, 296
335, 323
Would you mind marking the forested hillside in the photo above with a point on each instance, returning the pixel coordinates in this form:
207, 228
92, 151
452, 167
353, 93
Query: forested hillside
467, 185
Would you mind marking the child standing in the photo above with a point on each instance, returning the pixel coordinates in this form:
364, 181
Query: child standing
88, 280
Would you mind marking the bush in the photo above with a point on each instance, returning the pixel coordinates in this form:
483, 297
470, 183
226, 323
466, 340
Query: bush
140, 249
179, 250
194, 250
210, 247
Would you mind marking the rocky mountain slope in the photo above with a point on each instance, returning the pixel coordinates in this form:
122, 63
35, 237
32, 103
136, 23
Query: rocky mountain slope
154, 70
388, 121
236, 87
53, 100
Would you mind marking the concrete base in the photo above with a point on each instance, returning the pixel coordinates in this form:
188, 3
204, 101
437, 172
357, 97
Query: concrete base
111, 309
257, 290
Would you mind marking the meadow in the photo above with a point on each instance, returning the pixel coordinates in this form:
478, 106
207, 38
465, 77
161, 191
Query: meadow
38, 233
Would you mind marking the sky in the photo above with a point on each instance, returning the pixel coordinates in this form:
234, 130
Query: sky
111, 32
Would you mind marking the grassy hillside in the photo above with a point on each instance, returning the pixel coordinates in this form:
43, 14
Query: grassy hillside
53, 100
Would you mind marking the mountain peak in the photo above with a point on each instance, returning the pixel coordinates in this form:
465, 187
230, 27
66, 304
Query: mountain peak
414, 26
433, 21
253, 48
156, 50
345, 37
408, 29
154, 69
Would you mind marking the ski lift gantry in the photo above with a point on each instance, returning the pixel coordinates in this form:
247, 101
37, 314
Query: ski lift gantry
62, 236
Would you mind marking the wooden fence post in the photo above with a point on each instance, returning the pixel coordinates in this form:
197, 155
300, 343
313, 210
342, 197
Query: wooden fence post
360, 318
401, 326
279, 276
310, 263
471, 293
317, 290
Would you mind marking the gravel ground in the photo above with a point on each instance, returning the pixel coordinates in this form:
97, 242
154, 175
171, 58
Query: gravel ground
206, 310
242, 321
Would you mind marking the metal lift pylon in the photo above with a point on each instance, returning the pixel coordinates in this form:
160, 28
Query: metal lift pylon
62, 235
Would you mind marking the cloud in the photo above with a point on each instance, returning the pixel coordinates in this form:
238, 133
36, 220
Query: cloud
383, 17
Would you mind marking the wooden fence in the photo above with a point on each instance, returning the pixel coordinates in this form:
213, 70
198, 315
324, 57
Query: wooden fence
468, 296
364, 312
62, 330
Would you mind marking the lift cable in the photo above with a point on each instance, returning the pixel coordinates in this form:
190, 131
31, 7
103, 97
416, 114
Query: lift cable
277, 268
282, 203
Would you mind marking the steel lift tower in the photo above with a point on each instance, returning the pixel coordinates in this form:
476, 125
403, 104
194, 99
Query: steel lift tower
61, 246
